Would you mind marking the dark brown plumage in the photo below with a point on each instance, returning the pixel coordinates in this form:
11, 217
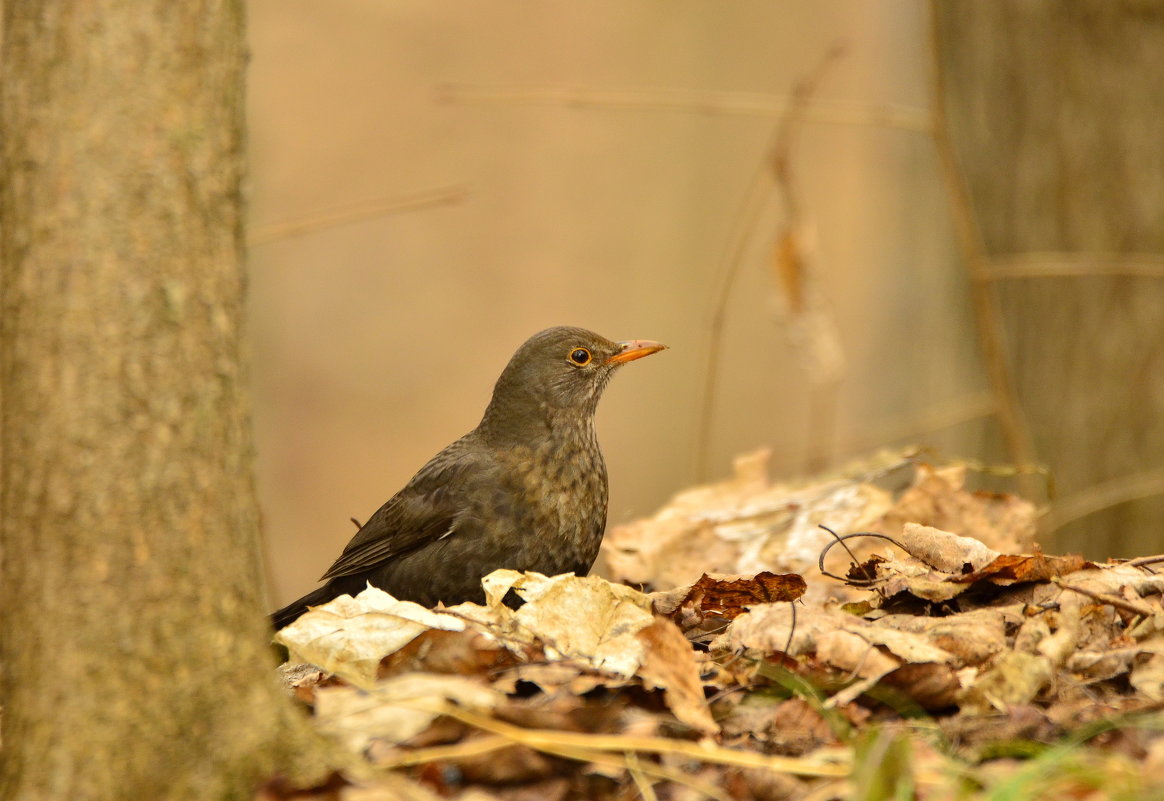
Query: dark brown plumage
526, 489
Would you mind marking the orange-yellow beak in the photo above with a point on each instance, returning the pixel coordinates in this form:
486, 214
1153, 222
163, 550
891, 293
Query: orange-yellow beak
635, 349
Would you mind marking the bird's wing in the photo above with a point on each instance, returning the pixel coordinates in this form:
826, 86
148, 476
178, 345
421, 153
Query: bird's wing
427, 509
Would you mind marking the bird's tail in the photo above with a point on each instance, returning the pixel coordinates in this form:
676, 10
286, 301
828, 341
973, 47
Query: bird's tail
291, 612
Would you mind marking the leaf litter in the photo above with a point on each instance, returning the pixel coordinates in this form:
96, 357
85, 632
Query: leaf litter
952, 659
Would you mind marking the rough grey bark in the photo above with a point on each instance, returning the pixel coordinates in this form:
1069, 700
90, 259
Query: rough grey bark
134, 648
1055, 112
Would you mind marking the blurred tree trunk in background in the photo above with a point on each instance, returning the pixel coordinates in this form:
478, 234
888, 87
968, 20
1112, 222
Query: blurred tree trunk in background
1056, 111
134, 648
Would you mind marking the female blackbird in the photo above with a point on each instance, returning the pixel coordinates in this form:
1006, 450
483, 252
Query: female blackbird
525, 489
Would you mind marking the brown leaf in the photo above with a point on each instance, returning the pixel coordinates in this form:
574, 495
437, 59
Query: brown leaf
1148, 677
728, 599
461, 653
865, 571
1014, 678
583, 618
971, 637
555, 677
944, 550
516, 765
395, 710
744, 525
792, 726
1026, 567
565, 713
349, 636
929, 685
555, 789
669, 663
1018, 722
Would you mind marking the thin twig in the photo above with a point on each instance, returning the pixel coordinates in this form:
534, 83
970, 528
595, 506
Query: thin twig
838, 539
841, 541
791, 629
466, 749
1104, 598
1146, 560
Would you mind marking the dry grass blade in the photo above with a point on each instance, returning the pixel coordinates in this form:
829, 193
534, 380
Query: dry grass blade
595, 745
628, 761
646, 769
465, 749
640, 780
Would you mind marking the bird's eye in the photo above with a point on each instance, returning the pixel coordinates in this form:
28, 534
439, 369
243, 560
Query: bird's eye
580, 356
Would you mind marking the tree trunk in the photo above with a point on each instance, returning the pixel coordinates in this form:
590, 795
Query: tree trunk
1056, 115
135, 653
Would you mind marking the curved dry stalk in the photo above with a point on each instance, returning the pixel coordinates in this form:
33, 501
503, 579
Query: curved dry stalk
774, 170
591, 747
839, 540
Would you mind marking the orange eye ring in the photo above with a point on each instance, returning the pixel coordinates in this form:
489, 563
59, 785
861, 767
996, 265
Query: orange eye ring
580, 357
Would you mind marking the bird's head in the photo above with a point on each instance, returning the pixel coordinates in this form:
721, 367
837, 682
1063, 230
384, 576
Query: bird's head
559, 370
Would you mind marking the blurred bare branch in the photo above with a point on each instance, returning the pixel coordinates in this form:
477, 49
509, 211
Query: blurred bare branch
1049, 265
790, 264
912, 426
1145, 484
354, 212
837, 112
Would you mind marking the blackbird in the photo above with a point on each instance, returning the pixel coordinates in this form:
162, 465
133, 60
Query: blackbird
526, 489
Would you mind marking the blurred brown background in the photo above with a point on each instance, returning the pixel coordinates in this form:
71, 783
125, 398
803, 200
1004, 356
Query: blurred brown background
433, 182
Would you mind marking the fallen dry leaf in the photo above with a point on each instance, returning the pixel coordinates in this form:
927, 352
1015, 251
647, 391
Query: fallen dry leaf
943, 550
1026, 567
1015, 678
930, 685
669, 664
586, 692
971, 638
465, 653
1148, 675
726, 599
349, 637
586, 618
383, 712
744, 526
